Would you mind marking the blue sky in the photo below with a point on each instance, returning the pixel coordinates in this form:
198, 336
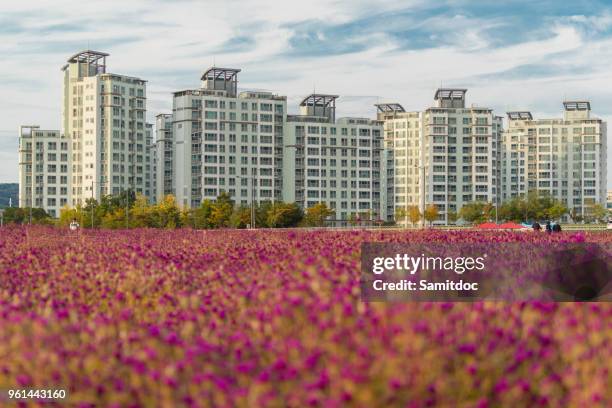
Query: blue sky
527, 55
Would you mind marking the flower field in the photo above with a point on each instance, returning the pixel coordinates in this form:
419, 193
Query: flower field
273, 318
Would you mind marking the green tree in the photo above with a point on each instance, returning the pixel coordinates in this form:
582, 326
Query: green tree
556, 211
317, 214
575, 216
261, 214
17, 215
597, 212
284, 215
473, 212
241, 217
488, 211
92, 206
200, 216
114, 219
221, 211
400, 214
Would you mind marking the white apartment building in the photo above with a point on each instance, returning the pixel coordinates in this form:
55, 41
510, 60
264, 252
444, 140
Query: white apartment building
334, 162
150, 171
44, 169
164, 173
446, 155
225, 141
564, 157
104, 115
403, 161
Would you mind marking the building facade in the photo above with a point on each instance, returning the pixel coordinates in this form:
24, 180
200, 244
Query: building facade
104, 144
44, 169
225, 141
564, 157
164, 153
446, 155
337, 162
150, 190
104, 115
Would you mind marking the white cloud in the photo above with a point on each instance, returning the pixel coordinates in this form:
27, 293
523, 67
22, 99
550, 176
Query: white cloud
172, 42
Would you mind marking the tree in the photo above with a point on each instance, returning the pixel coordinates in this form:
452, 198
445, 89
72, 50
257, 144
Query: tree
400, 214
597, 212
535, 206
261, 214
512, 210
199, 218
414, 214
284, 215
17, 215
166, 214
473, 212
556, 211
488, 211
431, 213
221, 211
141, 214
452, 216
317, 214
240, 217
114, 219
575, 216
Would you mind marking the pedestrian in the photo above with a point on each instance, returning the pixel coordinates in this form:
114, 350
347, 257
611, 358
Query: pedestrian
536, 226
548, 227
557, 227
74, 225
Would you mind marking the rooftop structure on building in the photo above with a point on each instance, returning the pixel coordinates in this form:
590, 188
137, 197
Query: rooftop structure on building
524, 115
389, 107
450, 97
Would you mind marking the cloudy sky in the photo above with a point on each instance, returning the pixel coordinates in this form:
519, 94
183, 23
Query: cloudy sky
520, 55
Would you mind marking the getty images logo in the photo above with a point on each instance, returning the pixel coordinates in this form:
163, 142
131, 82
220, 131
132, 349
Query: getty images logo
414, 264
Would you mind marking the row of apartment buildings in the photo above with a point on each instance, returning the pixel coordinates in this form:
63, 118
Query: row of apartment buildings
218, 139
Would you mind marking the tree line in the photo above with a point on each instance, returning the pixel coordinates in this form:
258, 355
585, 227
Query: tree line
128, 210
534, 206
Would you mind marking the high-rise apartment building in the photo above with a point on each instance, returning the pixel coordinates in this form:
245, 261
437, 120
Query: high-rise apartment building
446, 155
44, 169
164, 163
565, 157
337, 162
104, 146
150, 172
403, 161
104, 115
226, 141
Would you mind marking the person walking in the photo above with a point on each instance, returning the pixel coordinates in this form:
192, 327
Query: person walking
557, 227
536, 226
548, 227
